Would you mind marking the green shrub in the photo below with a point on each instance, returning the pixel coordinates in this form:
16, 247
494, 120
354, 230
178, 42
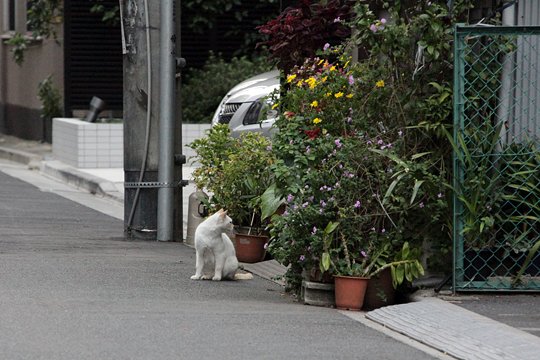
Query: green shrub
204, 88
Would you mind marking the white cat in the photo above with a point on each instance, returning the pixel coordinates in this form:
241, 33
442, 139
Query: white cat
215, 254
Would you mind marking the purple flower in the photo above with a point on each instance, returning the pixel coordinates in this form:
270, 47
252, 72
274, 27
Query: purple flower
302, 258
439, 195
369, 142
305, 205
290, 198
383, 21
421, 205
351, 79
291, 142
308, 149
349, 120
357, 204
363, 253
323, 203
383, 230
326, 46
380, 142
373, 28
400, 133
269, 147
338, 143
337, 19
285, 213
314, 231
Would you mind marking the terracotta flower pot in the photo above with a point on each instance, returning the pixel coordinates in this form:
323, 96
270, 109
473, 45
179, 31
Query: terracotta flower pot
250, 248
350, 292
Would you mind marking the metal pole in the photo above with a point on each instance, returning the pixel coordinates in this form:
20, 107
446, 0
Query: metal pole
166, 122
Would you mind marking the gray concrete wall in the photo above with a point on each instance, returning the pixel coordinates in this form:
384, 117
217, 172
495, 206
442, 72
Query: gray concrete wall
19, 104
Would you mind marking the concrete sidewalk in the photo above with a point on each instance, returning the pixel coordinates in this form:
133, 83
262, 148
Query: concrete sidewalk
498, 327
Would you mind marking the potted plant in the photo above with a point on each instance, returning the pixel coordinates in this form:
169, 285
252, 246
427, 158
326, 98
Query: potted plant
236, 173
341, 160
354, 263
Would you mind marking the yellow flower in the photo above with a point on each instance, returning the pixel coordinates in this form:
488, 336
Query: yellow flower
338, 95
328, 94
324, 131
332, 68
349, 96
316, 120
346, 64
312, 82
300, 83
275, 106
314, 104
320, 62
379, 84
324, 79
290, 78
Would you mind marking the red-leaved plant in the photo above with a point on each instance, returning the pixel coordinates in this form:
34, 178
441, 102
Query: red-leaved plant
299, 31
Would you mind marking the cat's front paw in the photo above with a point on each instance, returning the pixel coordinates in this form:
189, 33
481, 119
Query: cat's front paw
216, 278
195, 277
206, 277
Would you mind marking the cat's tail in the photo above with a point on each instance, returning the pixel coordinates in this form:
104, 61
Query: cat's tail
243, 276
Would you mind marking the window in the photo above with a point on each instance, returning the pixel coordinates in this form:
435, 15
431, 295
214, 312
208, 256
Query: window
11, 10
8, 12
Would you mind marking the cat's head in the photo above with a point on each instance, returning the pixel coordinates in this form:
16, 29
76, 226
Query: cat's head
223, 221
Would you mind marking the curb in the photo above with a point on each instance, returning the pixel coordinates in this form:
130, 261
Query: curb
79, 179
23, 157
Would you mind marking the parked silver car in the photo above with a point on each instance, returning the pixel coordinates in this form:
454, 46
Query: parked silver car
248, 106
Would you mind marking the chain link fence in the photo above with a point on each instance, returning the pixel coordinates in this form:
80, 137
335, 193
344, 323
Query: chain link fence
497, 158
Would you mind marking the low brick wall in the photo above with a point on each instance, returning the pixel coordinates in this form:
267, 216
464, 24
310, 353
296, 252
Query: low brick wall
87, 145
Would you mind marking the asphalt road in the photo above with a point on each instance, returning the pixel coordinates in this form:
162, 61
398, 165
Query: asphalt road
517, 310
72, 288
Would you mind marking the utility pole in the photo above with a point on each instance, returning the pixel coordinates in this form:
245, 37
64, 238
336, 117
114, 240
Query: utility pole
152, 126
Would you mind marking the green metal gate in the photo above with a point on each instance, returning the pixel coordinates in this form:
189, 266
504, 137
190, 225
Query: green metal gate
497, 158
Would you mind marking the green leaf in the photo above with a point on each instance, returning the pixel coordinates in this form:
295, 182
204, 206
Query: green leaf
405, 251
408, 272
391, 187
417, 185
270, 202
417, 156
332, 225
325, 261
400, 274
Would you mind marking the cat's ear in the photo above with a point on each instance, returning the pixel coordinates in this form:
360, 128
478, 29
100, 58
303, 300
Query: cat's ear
222, 214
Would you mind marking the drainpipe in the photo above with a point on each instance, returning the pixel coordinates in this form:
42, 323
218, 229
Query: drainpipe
504, 113
166, 122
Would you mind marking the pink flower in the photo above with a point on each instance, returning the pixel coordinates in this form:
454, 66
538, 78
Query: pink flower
351, 79
357, 204
373, 28
326, 46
